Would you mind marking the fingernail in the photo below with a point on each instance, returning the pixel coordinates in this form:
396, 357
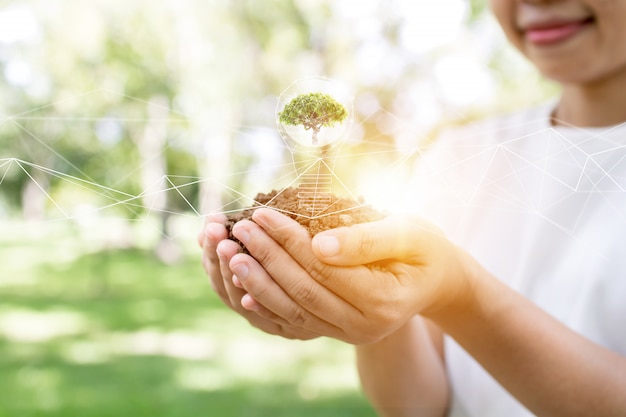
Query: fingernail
269, 218
241, 270
242, 234
212, 230
220, 255
327, 245
249, 303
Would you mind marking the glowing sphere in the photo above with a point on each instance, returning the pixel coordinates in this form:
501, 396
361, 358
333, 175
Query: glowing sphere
303, 136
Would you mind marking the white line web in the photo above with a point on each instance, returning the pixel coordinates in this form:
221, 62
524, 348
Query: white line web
595, 176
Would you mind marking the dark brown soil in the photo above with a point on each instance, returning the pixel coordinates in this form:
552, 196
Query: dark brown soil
338, 211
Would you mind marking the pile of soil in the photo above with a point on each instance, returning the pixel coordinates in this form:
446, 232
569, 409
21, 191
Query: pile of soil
339, 211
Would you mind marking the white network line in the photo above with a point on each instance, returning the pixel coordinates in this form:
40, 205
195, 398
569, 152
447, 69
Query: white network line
132, 202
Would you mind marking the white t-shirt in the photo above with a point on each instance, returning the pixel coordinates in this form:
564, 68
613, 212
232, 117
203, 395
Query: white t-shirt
544, 209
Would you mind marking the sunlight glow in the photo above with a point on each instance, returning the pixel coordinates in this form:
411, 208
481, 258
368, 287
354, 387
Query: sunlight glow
431, 24
17, 24
462, 79
388, 190
181, 344
31, 326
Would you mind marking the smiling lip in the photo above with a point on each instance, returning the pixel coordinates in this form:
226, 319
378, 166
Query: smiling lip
548, 34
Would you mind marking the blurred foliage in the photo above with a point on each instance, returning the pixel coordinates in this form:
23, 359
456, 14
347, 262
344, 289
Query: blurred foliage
477, 9
117, 333
123, 94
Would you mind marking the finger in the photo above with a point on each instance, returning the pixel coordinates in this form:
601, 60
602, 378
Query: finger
285, 331
240, 301
392, 238
217, 252
200, 239
283, 247
256, 313
292, 237
227, 250
283, 286
218, 218
358, 288
264, 291
214, 234
269, 326
249, 303
215, 218
295, 240
236, 291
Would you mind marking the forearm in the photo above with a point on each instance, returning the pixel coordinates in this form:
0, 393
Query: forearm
548, 367
403, 374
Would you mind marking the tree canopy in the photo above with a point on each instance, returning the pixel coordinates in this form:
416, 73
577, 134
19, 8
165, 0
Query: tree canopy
313, 111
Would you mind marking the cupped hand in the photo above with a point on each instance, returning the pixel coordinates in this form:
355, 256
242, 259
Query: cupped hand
217, 252
357, 283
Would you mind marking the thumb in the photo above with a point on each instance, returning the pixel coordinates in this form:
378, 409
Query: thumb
394, 237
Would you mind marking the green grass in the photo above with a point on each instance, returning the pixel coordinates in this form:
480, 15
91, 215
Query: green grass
117, 333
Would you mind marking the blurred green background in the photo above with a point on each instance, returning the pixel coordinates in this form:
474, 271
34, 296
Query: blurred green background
119, 333
123, 122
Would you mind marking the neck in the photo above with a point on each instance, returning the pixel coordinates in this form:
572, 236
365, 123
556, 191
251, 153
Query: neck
593, 105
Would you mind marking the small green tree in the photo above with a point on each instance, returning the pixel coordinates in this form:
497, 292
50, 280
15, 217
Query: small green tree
313, 111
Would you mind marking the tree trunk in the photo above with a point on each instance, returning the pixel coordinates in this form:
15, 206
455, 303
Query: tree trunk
214, 168
34, 196
150, 144
314, 138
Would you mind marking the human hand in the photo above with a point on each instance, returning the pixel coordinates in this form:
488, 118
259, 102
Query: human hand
356, 284
217, 251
